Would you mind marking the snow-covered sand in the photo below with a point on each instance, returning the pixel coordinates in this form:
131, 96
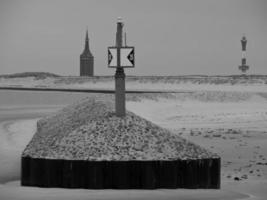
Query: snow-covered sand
247, 111
234, 126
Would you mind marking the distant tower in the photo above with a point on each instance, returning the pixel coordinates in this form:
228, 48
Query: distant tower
86, 60
243, 67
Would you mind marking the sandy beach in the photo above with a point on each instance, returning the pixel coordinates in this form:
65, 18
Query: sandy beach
232, 124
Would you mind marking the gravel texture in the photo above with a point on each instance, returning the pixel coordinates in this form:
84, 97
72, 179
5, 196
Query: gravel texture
90, 130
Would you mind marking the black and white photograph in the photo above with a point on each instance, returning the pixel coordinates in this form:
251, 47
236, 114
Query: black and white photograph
133, 99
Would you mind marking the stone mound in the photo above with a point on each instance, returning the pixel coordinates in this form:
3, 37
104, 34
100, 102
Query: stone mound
89, 130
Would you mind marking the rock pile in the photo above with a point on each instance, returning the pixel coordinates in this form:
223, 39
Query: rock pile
89, 130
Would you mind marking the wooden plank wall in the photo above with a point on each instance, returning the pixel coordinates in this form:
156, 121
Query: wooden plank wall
201, 173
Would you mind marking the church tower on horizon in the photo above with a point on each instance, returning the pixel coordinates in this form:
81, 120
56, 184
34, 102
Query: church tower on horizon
86, 60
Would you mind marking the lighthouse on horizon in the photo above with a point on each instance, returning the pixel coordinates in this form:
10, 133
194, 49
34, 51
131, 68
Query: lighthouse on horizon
86, 59
243, 67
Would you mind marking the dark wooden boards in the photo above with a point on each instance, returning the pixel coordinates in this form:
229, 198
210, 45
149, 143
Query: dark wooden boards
200, 173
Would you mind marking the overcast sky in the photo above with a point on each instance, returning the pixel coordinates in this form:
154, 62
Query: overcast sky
171, 37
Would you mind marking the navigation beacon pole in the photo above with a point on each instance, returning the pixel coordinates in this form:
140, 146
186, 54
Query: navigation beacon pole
243, 67
120, 57
119, 75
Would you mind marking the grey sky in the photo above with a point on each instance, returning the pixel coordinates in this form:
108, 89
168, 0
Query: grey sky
171, 37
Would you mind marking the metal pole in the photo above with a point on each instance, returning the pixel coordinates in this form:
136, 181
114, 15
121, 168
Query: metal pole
119, 76
125, 43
